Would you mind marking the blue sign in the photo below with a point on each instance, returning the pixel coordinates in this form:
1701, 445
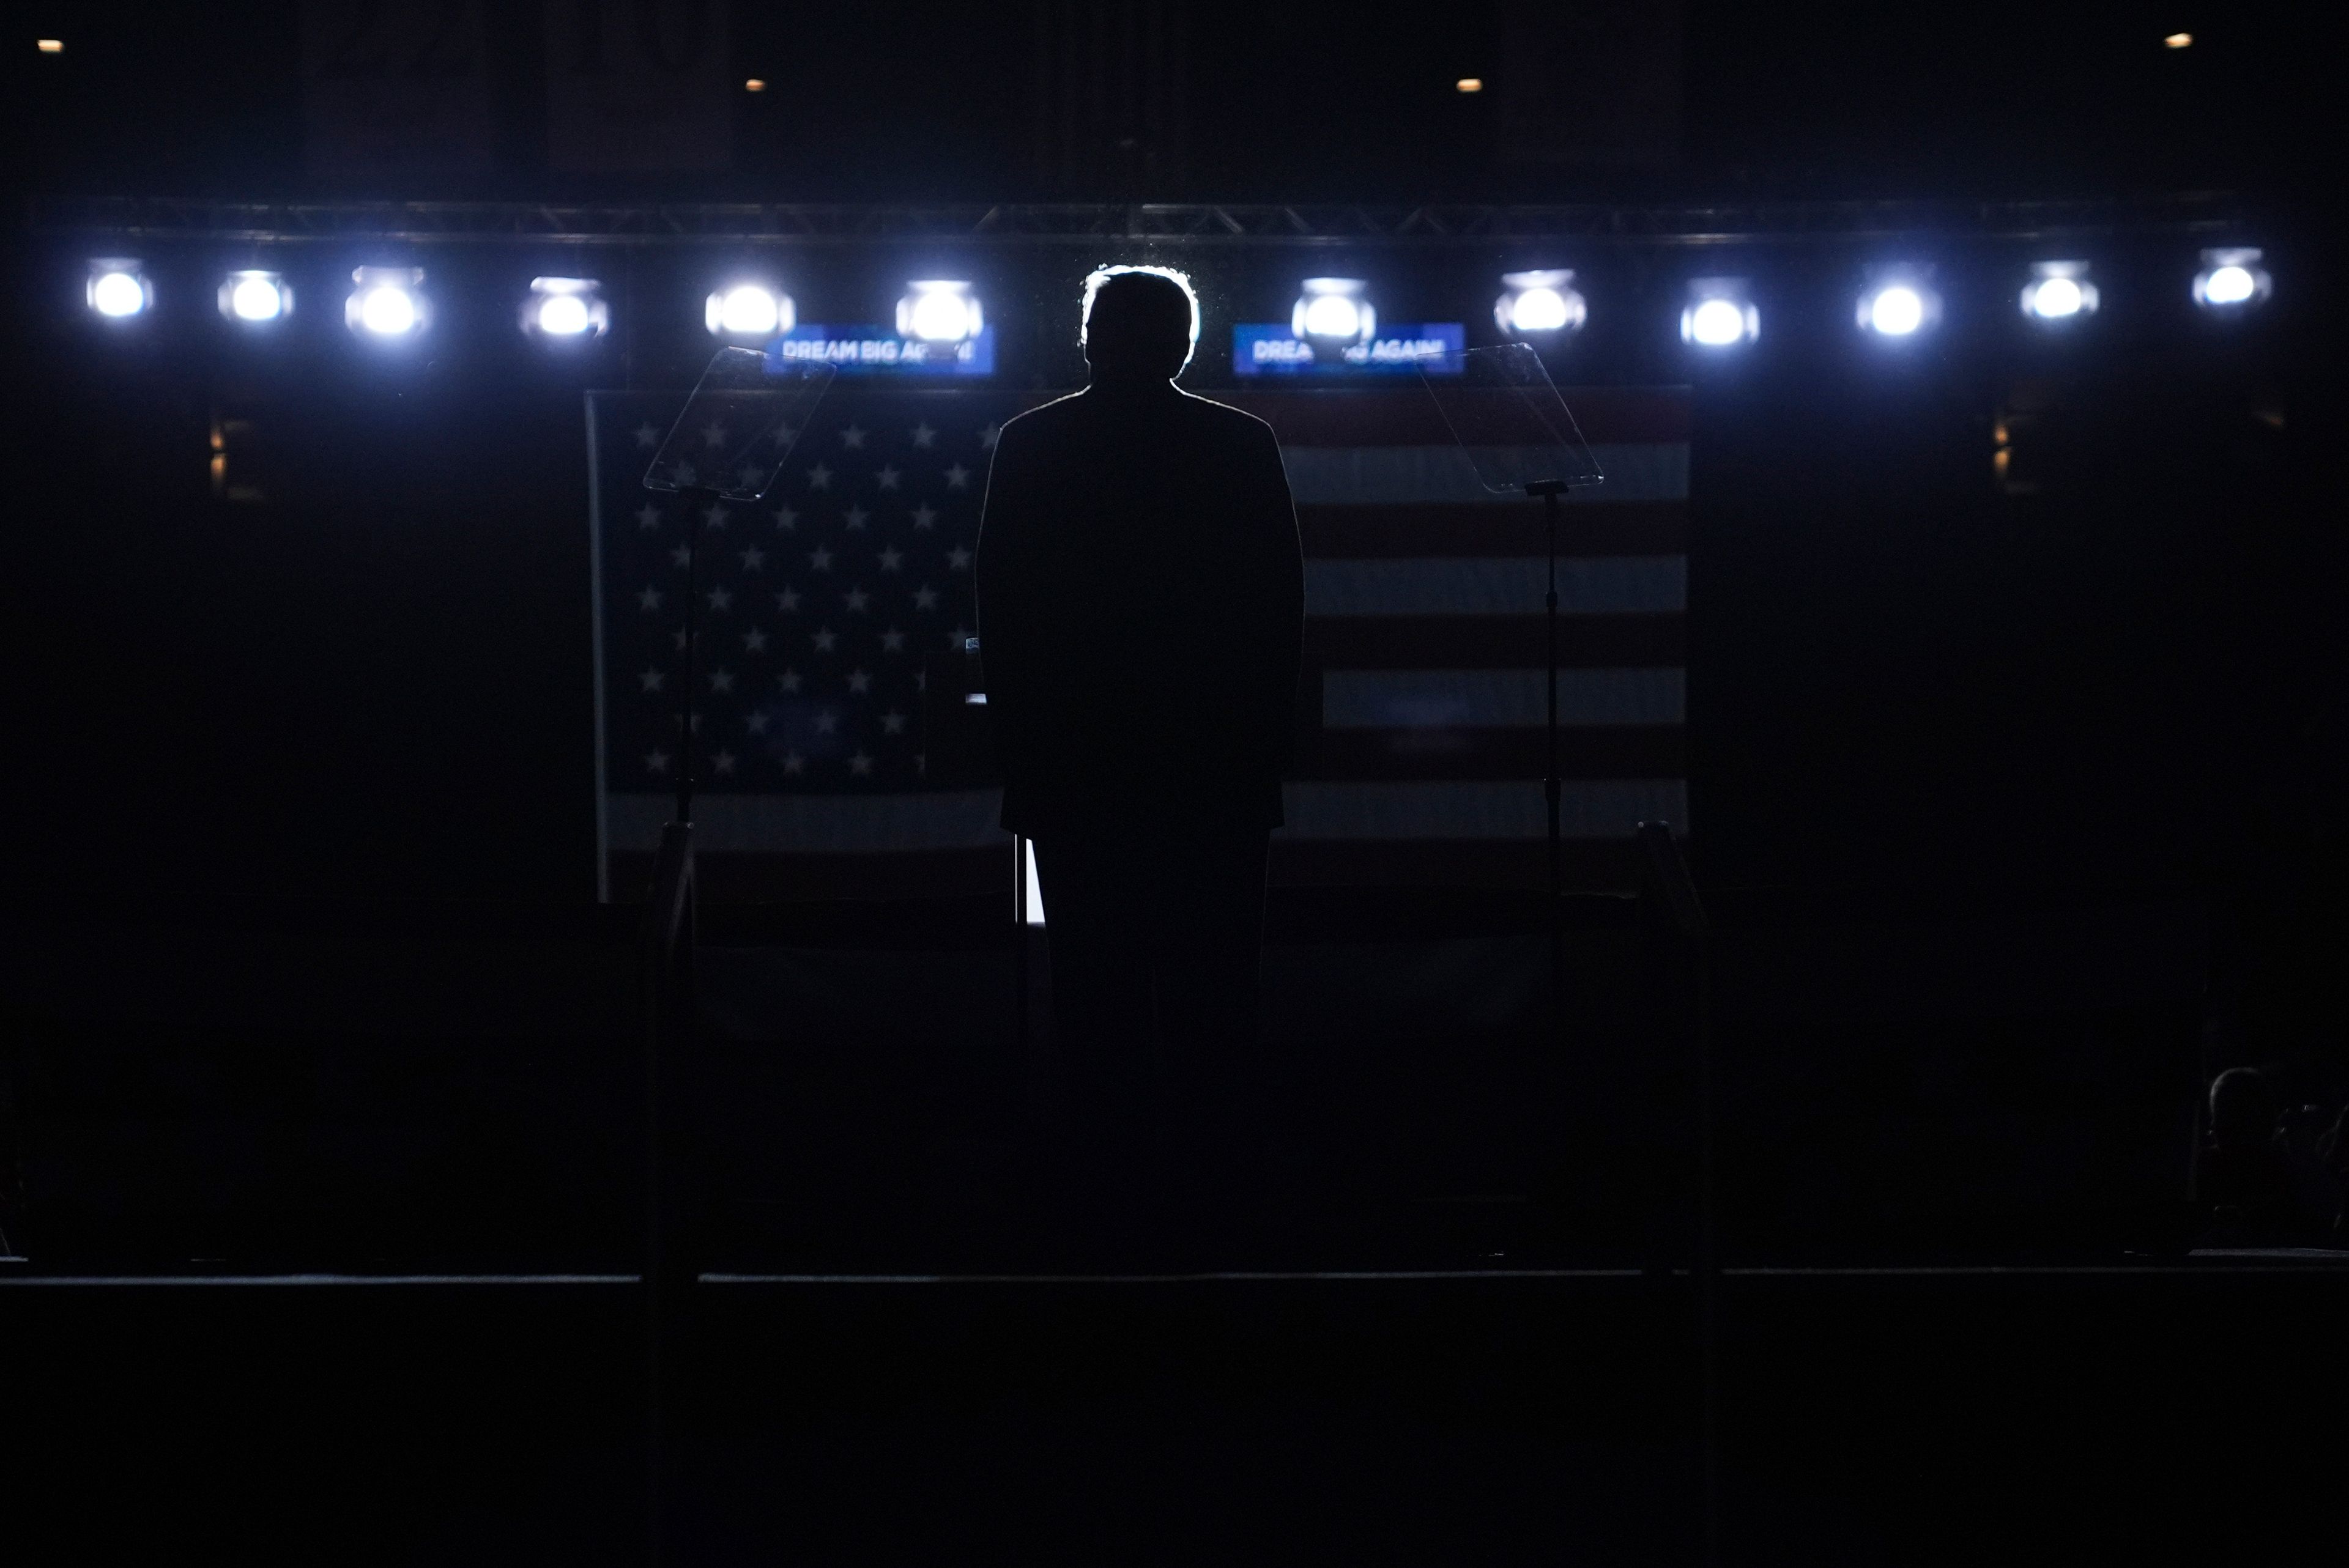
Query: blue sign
1269, 348
872, 350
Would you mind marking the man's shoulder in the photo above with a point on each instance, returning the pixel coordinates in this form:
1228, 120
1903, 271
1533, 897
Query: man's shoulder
1042, 419
1226, 419
1073, 413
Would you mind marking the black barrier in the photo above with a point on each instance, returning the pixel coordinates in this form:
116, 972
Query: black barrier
1678, 943
668, 936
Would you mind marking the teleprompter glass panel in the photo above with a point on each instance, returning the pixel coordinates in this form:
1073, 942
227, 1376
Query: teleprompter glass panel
738, 426
1511, 421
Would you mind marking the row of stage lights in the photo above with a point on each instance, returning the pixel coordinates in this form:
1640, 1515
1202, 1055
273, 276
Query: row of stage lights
391, 303
1899, 302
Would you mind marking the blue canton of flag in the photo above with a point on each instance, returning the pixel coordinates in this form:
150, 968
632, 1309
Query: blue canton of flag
817, 604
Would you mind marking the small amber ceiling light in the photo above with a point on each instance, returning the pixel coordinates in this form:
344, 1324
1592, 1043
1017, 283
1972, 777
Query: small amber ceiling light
2178, 40
755, 85
1469, 85
51, 45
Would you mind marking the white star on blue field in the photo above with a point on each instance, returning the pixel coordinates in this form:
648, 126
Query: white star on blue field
818, 603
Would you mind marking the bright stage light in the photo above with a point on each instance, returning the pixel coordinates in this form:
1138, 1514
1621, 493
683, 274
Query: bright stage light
1716, 324
1899, 303
117, 288
748, 310
1469, 85
117, 294
255, 297
386, 310
2232, 280
1330, 316
1895, 312
1333, 310
939, 310
389, 302
2179, 41
1719, 315
2056, 299
2059, 292
1543, 300
2228, 285
1540, 310
51, 45
563, 315
566, 309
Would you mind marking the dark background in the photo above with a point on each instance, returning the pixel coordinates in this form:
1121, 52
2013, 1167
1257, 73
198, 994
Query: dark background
1915, 692
1288, 101
375, 678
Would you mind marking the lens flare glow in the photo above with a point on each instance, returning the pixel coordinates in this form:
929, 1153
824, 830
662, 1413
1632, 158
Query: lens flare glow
387, 303
1334, 310
2229, 285
566, 309
1543, 300
1719, 314
2056, 299
2232, 280
563, 315
118, 294
939, 317
2059, 293
1332, 315
256, 296
939, 310
747, 311
1540, 310
1717, 323
386, 310
1896, 311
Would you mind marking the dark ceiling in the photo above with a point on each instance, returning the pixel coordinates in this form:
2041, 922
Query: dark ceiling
1294, 99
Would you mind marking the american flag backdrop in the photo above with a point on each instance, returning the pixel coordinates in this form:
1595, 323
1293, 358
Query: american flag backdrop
1422, 752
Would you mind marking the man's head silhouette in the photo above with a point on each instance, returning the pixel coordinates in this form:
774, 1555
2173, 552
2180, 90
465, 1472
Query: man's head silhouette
1138, 324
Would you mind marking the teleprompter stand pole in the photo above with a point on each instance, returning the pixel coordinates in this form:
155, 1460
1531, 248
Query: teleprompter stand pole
697, 502
1550, 491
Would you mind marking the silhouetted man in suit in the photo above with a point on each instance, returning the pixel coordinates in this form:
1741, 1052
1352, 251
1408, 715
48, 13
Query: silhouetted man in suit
1141, 604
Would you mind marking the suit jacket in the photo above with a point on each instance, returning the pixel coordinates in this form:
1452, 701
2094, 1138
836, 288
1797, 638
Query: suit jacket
1141, 609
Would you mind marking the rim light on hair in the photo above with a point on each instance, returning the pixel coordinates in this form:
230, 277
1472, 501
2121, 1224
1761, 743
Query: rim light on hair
1100, 275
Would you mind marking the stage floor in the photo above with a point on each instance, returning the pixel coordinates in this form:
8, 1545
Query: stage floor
1868, 1417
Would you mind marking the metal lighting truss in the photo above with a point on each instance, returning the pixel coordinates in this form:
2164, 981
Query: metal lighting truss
1199, 223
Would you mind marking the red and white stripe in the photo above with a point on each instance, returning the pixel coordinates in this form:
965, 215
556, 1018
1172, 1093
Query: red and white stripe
1425, 633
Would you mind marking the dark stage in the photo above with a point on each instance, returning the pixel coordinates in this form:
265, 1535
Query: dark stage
1901, 1116
1868, 1417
